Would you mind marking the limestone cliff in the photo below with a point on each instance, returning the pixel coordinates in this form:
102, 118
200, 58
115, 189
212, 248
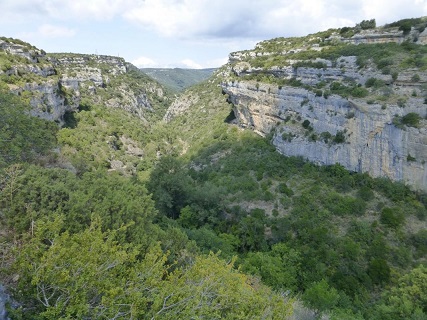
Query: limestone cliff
336, 109
55, 84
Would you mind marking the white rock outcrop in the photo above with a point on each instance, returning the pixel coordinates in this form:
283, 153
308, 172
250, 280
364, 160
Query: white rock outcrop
372, 143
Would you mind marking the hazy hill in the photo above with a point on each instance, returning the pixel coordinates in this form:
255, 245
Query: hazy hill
178, 79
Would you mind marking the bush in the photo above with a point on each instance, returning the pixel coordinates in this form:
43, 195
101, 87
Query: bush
359, 92
379, 271
419, 241
306, 124
365, 193
367, 24
412, 119
384, 63
318, 93
416, 78
339, 137
373, 82
283, 188
392, 218
394, 75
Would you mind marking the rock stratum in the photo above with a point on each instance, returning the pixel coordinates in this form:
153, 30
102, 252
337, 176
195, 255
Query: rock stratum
359, 105
57, 84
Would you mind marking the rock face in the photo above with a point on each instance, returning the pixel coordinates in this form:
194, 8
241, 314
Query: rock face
365, 129
357, 135
4, 299
56, 84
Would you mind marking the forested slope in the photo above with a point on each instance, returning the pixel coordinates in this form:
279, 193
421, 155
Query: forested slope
114, 215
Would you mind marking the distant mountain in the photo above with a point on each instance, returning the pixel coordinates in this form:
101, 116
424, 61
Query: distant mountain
178, 79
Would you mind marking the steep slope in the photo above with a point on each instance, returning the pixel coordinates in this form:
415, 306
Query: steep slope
88, 237
349, 96
141, 204
56, 84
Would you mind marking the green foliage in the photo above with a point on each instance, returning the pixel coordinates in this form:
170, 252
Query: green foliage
335, 238
393, 218
40, 192
91, 275
320, 296
283, 188
366, 193
379, 271
178, 79
375, 83
339, 137
407, 300
22, 137
411, 119
306, 124
367, 24
278, 268
416, 78
169, 184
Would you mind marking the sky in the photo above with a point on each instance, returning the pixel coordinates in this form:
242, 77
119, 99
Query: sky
183, 33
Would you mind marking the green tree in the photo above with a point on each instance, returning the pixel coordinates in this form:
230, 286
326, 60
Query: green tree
169, 183
84, 275
408, 299
211, 288
22, 137
320, 296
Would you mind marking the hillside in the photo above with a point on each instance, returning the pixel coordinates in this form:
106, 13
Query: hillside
178, 79
118, 201
351, 96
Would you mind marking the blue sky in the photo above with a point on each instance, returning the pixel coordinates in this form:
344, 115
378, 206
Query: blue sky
183, 33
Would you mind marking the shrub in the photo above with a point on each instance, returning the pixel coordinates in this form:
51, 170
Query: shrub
405, 27
373, 82
306, 124
367, 24
339, 137
394, 75
384, 63
379, 271
365, 193
412, 119
283, 188
419, 241
359, 92
410, 158
392, 218
416, 78
326, 136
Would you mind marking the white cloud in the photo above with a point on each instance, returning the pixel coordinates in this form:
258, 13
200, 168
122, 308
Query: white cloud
251, 19
188, 63
144, 62
215, 63
255, 19
66, 9
50, 31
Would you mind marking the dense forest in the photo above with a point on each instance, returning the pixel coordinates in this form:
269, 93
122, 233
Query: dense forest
208, 221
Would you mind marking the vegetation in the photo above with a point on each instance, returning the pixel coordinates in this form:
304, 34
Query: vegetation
178, 79
113, 217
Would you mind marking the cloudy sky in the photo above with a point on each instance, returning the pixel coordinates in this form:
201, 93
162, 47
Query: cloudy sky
183, 33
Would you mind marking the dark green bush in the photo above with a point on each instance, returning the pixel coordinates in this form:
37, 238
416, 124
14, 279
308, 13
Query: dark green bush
339, 137
411, 119
306, 124
365, 193
379, 271
283, 188
392, 217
